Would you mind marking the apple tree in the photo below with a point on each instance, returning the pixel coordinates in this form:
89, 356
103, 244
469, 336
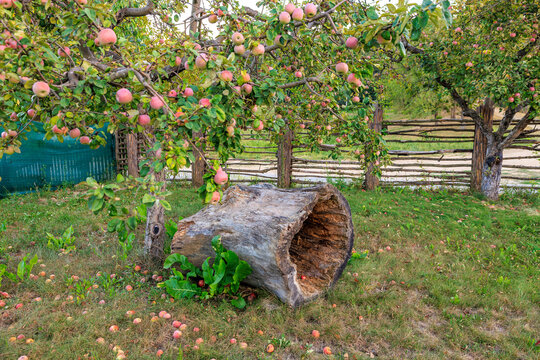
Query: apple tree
490, 51
78, 65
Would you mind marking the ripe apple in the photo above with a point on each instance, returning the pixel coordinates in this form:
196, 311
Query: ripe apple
123, 96
297, 14
204, 102
315, 334
290, 8
113, 328
200, 61
258, 50
199, 341
213, 19
237, 38
342, 68
226, 75
310, 10
144, 119
106, 37
64, 52
270, 348
215, 197
74, 133
6, 4
247, 88
284, 17
232, 341
41, 89
351, 42
188, 92
355, 99
156, 103
177, 334
172, 94
221, 177
327, 350
239, 49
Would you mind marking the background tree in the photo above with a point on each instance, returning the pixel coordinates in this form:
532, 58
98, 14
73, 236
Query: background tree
78, 65
490, 52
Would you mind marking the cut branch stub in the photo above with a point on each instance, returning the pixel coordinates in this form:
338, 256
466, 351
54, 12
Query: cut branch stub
297, 241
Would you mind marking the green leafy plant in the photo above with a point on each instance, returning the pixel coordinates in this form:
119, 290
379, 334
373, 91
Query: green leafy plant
3, 226
24, 269
125, 240
280, 342
223, 277
4, 272
65, 241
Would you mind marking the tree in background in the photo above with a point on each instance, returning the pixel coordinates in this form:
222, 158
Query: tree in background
78, 65
491, 51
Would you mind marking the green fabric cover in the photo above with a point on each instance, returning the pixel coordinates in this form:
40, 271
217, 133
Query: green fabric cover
52, 163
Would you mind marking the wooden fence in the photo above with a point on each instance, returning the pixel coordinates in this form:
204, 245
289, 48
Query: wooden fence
445, 152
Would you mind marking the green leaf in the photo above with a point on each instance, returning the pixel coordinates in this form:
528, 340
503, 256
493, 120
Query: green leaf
173, 259
120, 178
20, 269
372, 13
148, 199
181, 289
208, 273
132, 222
97, 205
166, 205
240, 303
220, 272
91, 13
242, 271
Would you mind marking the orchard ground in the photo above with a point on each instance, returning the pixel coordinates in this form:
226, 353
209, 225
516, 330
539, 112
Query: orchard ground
447, 275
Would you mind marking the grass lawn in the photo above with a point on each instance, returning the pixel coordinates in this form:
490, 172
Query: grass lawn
448, 276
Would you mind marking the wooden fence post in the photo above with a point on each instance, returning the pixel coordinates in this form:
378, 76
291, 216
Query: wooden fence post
284, 158
132, 148
371, 181
480, 144
198, 167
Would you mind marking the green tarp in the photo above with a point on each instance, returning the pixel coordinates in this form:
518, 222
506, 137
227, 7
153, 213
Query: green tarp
53, 163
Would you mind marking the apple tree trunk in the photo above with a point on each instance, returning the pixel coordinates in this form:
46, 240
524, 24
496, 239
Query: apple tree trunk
491, 172
297, 241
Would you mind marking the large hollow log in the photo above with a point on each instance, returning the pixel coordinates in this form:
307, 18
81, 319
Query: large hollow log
297, 241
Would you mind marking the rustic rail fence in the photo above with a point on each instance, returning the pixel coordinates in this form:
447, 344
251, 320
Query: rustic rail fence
445, 152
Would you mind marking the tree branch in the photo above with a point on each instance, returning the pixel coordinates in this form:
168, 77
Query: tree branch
134, 12
518, 129
467, 111
299, 82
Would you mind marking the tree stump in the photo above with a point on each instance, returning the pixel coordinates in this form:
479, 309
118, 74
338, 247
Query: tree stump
297, 241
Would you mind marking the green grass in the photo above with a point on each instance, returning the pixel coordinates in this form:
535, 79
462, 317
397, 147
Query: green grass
460, 280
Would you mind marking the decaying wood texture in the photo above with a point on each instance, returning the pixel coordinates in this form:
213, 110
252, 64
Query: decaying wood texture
297, 241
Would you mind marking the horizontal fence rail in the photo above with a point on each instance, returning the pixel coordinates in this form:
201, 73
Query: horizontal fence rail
422, 153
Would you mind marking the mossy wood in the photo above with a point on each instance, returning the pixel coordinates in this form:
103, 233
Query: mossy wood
297, 241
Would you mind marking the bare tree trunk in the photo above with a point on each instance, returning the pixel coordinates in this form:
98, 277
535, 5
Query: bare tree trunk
154, 237
491, 173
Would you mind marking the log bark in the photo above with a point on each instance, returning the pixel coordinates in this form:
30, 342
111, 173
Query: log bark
297, 241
